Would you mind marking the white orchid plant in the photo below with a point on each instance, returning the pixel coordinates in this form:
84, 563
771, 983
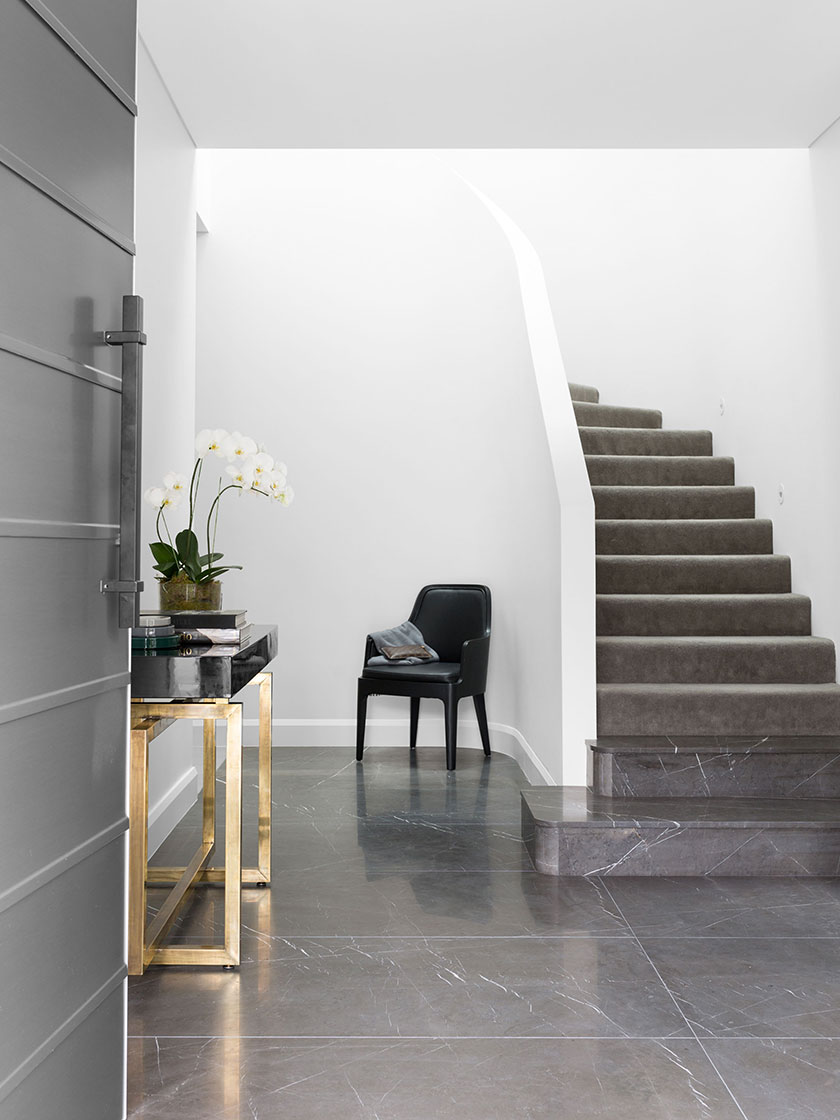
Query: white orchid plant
250, 470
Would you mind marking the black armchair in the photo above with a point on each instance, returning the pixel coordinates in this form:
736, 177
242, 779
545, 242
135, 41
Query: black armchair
454, 619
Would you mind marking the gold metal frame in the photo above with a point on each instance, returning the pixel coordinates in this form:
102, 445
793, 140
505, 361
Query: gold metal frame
148, 721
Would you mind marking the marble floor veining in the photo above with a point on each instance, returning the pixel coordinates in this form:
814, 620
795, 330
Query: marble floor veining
408, 963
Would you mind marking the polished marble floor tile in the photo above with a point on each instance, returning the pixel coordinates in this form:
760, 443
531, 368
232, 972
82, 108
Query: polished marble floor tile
419, 987
437, 976
761, 988
729, 907
436, 1079
355, 903
781, 1079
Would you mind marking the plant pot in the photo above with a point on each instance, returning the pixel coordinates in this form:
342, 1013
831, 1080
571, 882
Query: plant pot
179, 595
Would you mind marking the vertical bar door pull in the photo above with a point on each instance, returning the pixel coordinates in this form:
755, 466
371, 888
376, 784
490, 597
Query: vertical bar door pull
132, 340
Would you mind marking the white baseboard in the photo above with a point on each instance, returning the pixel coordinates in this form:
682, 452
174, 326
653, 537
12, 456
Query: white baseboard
171, 807
341, 734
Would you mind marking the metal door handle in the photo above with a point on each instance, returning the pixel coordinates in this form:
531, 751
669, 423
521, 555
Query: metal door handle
132, 339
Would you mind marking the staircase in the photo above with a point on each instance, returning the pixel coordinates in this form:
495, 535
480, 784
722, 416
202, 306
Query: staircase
712, 691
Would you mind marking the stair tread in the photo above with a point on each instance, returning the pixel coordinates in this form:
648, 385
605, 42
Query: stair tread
689, 489
671, 690
577, 807
742, 641
716, 744
591, 414
583, 393
775, 597
663, 433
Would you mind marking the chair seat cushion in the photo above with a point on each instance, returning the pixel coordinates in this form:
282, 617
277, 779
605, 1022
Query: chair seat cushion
438, 672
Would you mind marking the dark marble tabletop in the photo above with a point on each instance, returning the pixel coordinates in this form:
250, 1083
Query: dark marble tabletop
202, 672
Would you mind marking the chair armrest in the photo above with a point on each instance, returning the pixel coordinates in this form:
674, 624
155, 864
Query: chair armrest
475, 654
370, 649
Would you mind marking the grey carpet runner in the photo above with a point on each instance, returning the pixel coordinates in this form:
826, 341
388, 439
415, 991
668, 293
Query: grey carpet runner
698, 632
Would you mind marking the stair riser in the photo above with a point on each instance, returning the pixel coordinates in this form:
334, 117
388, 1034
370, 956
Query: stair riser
691, 575
651, 441
674, 503
768, 714
683, 662
660, 470
684, 538
583, 393
612, 416
666, 774
671, 851
703, 614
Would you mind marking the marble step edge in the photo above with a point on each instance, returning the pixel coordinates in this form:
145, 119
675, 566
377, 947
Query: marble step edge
715, 744
576, 807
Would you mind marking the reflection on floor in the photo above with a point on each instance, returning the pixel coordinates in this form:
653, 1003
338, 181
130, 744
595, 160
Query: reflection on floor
408, 964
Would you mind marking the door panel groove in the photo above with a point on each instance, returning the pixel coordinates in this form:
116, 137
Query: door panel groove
58, 866
64, 198
42, 702
70, 530
82, 53
60, 363
57, 1037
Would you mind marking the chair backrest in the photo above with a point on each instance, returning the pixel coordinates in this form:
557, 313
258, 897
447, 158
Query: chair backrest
447, 614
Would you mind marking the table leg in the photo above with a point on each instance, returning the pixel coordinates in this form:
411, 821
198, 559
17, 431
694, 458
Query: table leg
233, 834
138, 814
208, 831
264, 807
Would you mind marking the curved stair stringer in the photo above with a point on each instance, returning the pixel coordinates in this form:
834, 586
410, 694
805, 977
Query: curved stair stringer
576, 625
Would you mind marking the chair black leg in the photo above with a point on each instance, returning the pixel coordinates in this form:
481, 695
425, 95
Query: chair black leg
481, 716
450, 715
412, 723
361, 712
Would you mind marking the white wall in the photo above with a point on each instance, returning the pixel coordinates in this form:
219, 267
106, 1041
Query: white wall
360, 313
825, 172
165, 278
679, 278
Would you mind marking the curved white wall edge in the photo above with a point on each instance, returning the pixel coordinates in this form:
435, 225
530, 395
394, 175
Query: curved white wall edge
341, 734
577, 510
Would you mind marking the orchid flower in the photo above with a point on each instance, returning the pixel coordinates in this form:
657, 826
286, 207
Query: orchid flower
238, 447
210, 440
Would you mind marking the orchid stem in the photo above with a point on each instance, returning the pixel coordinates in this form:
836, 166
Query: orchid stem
194, 481
215, 505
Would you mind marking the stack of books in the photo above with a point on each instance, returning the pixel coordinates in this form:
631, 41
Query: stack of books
218, 628
155, 632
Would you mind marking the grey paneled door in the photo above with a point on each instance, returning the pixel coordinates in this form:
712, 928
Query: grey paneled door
66, 260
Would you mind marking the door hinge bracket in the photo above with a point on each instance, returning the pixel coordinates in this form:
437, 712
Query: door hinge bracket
120, 338
119, 586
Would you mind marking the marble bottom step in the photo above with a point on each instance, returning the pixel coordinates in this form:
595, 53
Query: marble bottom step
571, 831
797, 766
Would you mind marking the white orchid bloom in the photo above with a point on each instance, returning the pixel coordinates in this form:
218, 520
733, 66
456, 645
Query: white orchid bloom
154, 496
281, 468
286, 497
176, 483
210, 439
242, 473
171, 499
276, 482
238, 447
263, 465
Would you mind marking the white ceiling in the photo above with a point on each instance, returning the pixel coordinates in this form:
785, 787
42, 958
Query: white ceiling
499, 73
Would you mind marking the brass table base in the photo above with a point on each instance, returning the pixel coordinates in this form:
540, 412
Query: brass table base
148, 720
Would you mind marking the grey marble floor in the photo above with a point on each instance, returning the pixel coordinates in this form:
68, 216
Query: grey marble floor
409, 964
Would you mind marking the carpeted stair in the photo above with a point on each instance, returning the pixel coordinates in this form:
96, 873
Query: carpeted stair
718, 749
698, 630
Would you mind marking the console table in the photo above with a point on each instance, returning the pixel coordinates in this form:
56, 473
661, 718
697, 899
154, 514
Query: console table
198, 682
